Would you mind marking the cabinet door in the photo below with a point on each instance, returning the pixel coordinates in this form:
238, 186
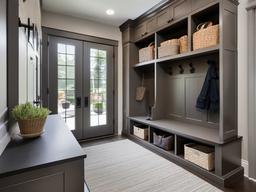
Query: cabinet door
164, 17
199, 3
150, 25
181, 8
140, 31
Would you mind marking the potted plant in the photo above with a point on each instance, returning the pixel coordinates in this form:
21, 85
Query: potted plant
98, 107
31, 119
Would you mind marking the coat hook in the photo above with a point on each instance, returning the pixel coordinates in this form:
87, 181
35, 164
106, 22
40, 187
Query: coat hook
181, 69
170, 70
192, 68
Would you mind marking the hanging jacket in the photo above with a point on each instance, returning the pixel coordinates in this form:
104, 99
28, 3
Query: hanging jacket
209, 95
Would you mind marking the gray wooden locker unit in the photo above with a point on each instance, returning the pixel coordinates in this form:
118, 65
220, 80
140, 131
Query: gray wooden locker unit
174, 95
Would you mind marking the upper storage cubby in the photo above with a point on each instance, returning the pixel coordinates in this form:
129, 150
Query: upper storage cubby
173, 40
205, 28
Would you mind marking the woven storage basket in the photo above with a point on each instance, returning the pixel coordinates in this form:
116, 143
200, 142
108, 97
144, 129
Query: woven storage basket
147, 53
168, 50
206, 37
163, 141
183, 44
31, 126
170, 42
141, 131
201, 155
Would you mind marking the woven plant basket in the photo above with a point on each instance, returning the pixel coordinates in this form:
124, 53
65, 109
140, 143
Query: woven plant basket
183, 44
31, 126
206, 36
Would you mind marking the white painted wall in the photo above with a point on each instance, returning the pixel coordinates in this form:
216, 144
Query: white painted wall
92, 28
242, 77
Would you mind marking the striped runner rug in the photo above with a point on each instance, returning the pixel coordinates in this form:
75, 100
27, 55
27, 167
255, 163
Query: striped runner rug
124, 166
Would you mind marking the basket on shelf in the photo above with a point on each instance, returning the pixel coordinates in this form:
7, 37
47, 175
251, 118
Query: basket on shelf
207, 35
183, 44
165, 142
141, 131
147, 53
31, 126
168, 48
201, 155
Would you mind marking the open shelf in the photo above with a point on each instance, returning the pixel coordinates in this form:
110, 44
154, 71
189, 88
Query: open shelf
146, 63
191, 54
203, 134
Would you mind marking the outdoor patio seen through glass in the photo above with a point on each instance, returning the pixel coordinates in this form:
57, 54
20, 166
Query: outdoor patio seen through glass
66, 83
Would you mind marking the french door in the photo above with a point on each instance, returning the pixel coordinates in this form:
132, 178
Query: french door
81, 86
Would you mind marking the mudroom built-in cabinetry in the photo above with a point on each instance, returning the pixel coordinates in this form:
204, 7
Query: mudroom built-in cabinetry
189, 90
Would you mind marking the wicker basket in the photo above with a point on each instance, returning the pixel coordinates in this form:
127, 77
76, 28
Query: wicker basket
168, 50
31, 126
163, 141
141, 131
183, 44
170, 42
147, 53
202, 156
206, 37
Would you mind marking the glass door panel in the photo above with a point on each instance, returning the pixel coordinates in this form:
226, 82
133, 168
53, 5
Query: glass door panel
98, 88
66, 83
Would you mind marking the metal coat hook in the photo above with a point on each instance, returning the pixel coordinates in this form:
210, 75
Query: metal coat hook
169, 70
192, 68
181, 69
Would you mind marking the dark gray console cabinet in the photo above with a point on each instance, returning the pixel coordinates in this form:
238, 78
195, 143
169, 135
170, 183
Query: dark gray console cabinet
171, 95
53, 163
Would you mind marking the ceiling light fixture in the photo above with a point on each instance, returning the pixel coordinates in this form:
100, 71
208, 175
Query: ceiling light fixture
110, 12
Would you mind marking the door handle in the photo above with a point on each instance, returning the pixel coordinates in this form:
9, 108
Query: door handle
78, 102
86, 101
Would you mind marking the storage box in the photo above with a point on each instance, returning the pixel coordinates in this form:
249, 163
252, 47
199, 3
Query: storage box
201, 155
206, 37
163, 141
183, 44
147, 53
141, 131
168, 50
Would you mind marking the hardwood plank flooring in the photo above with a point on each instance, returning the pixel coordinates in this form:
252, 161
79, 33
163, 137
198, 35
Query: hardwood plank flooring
244, 185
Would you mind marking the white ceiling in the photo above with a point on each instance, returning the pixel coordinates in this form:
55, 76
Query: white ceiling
96, 9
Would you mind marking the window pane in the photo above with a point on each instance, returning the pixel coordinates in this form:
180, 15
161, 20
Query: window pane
61, 59
61, 48
70, 49
61, 72
61, 84
94, 52
70, 59
102, 53
70, 84
70, 72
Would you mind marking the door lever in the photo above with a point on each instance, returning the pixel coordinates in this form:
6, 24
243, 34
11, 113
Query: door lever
78, 102
86, 101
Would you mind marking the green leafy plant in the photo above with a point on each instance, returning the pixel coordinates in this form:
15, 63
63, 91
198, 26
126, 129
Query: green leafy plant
98, 105
27, 112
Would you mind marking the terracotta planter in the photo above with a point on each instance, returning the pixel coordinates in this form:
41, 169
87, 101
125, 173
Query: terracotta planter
31, 126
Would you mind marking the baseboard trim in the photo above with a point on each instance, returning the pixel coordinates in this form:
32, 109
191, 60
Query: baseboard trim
245, 165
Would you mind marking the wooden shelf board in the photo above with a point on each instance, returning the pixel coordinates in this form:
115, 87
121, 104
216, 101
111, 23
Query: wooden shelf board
146, 63
190, 131
196, 53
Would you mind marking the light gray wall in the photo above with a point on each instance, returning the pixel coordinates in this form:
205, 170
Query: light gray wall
4, 137
92, 28
243, 77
